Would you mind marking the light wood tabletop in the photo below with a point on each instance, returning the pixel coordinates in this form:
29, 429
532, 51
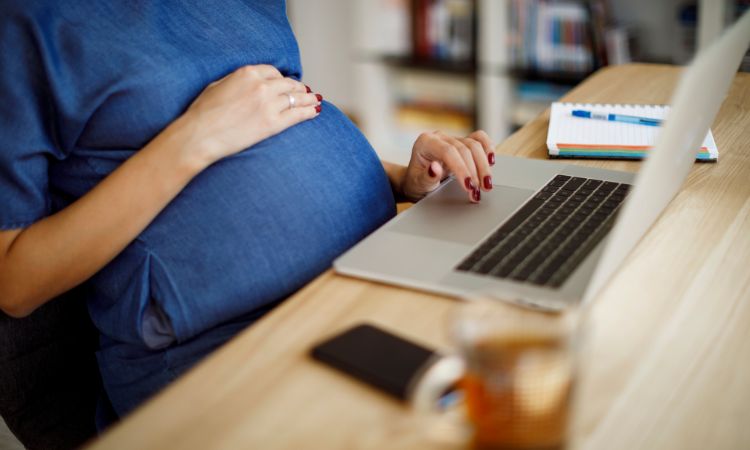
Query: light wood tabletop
667, 364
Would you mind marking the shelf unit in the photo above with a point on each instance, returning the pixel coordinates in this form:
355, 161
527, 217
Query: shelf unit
489, 71
348, 47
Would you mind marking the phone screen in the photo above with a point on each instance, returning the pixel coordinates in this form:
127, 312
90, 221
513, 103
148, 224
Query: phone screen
375, 356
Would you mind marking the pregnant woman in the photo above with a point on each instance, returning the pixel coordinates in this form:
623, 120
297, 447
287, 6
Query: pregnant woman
166, 155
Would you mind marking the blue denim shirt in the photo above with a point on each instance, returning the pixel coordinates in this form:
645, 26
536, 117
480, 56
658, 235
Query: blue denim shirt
85, 85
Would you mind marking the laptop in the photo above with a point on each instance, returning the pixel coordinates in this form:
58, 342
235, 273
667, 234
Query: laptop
549, 235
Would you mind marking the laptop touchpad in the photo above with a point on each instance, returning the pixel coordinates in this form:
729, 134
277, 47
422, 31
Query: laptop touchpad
448, 214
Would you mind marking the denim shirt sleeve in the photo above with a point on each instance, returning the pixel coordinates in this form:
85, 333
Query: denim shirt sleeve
26, 126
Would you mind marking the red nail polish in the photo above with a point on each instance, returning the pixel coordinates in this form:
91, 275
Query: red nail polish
319, 97
317, 109
476, 195
491, 158
469, 184
488, 182
431, 172
308, 89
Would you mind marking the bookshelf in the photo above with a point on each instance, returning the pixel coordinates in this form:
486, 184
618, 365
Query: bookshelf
413, 74
365, 57
411, 82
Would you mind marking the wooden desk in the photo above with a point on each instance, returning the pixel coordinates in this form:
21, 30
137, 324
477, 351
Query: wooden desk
669, 360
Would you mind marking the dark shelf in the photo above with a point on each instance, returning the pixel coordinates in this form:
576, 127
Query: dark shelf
452, 67
552, 77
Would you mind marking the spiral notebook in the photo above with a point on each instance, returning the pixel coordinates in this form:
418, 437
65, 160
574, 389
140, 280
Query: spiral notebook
576, 137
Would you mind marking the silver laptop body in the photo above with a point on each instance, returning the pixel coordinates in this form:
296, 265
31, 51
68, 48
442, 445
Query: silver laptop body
424, 246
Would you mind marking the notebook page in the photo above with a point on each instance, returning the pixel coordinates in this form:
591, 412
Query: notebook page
566, 130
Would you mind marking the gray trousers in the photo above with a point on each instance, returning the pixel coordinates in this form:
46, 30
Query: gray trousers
49, 381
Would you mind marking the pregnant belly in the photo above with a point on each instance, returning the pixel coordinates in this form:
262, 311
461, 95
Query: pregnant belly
249, 230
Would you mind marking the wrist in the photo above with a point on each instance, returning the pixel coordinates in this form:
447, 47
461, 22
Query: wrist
191, 152
398, 184
407, 192
396, 177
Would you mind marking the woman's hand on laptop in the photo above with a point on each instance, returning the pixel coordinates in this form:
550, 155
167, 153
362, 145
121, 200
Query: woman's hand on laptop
436, 155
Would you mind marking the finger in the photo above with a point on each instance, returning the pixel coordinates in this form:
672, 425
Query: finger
265, 71
487, 145
427, 178
452, 159
293, 116
466, 155
435, 171
300, 100
284, 85
481, 162
256, 72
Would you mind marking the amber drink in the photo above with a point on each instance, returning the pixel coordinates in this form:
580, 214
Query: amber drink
518, 381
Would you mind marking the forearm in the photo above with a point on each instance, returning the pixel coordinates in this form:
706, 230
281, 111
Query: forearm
66, 248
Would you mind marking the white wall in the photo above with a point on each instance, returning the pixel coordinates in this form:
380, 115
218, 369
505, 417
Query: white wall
324, 32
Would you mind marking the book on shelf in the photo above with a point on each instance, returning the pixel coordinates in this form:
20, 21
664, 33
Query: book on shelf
443, 30
423, 118
433, 89
412, 120
557, 37
425, 101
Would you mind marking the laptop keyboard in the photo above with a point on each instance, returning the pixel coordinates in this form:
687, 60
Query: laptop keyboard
551, 234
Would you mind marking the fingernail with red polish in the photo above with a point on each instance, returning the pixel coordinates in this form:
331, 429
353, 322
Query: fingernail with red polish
491, 158
488, 182
308, 89
431, 172
469, 184
319, 97
476, 195
317, 109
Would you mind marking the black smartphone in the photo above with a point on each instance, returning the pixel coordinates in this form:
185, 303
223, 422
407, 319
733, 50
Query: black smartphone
376, 357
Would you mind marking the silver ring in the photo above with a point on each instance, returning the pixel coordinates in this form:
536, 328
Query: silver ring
292, 101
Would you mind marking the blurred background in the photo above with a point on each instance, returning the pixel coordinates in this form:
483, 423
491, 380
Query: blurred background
400, 67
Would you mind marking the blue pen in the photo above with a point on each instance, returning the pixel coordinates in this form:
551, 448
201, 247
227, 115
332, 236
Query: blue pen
616, 117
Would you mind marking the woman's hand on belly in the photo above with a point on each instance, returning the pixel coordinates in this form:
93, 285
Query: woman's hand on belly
243, 108
436, 155
236, 112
